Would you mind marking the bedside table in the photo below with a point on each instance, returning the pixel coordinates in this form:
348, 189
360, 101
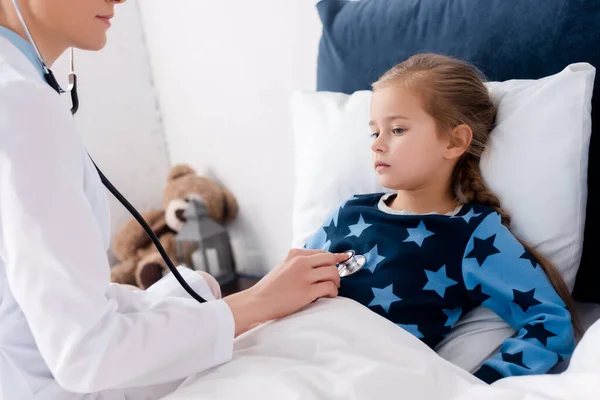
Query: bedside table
240, 283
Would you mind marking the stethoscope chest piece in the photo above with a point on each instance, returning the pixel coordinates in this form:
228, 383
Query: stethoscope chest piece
352, 265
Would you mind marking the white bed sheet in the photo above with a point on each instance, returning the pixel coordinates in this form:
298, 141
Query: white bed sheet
339, 349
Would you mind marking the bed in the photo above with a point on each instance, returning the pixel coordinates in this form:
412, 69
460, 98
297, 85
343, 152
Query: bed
322, 353
338, 349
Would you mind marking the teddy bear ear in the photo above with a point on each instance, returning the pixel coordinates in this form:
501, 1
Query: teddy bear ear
180, 170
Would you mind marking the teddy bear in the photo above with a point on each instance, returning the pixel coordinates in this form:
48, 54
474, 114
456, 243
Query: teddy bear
140, 264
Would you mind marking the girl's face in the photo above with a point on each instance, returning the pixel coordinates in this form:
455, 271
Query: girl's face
72, 23
408, 151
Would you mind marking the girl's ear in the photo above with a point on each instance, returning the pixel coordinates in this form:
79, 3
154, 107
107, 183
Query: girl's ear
460, 140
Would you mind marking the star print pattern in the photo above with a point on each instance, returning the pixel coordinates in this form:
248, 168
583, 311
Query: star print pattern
384, 297
373, 259
516, 359
483, 249
438, 281
477, 294
426, 272
528, 256
318, 241
525, 299
538, 332
337, 211
358, 228
418, 234
453, 316
467, 217
329, 230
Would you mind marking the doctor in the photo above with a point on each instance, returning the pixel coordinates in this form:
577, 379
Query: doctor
65, 331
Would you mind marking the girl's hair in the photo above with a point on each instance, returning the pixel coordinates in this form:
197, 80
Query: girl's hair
453, 93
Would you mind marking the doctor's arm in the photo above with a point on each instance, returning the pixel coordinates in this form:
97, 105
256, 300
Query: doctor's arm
92, 334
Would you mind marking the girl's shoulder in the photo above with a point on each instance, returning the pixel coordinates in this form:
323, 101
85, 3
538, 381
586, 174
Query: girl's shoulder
476, 210
482, 220
474, 214
363, 199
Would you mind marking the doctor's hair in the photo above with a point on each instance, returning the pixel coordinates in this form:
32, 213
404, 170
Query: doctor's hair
453, 93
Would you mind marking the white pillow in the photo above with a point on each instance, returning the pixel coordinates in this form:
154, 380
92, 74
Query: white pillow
536, 162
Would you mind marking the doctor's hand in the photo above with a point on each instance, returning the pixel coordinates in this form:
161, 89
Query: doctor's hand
303, 277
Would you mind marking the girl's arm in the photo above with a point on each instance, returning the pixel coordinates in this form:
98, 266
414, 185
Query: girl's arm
501, 275
321, 239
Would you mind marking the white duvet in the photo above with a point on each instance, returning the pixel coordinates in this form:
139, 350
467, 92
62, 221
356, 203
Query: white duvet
339, 349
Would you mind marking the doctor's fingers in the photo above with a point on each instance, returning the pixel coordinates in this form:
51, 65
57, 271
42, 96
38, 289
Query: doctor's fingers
301, 252
323, 274
323, 289
317, 260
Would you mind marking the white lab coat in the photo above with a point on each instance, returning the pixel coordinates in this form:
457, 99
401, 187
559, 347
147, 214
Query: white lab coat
64, 329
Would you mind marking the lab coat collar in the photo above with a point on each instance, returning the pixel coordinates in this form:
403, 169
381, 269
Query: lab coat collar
25, 47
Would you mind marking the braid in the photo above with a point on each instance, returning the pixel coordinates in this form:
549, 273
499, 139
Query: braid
471, 187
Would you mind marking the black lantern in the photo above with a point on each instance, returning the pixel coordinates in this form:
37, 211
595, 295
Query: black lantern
203, 244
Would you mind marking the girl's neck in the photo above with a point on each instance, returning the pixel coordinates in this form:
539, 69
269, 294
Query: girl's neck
424, 201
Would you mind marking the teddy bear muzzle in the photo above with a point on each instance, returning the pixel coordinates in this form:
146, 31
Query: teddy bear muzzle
176, 211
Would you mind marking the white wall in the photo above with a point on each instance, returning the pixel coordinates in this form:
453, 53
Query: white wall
224, 71
119, 117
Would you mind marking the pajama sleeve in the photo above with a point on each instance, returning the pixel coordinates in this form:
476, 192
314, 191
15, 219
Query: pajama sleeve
500, 274
321, 239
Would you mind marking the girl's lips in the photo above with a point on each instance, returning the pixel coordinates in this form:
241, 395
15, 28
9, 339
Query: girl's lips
379, 166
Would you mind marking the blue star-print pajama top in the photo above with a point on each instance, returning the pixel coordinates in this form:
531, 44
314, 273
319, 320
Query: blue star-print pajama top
424, 272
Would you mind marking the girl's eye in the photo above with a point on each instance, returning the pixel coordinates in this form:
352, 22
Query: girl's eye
398, 131
375, 135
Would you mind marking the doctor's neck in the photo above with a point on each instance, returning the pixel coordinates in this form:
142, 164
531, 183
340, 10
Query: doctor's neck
48, 43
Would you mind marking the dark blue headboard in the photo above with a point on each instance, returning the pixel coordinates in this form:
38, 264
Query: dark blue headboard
526, 39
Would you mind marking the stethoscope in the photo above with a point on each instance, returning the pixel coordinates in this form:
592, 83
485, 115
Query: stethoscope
51, 80
353, 264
